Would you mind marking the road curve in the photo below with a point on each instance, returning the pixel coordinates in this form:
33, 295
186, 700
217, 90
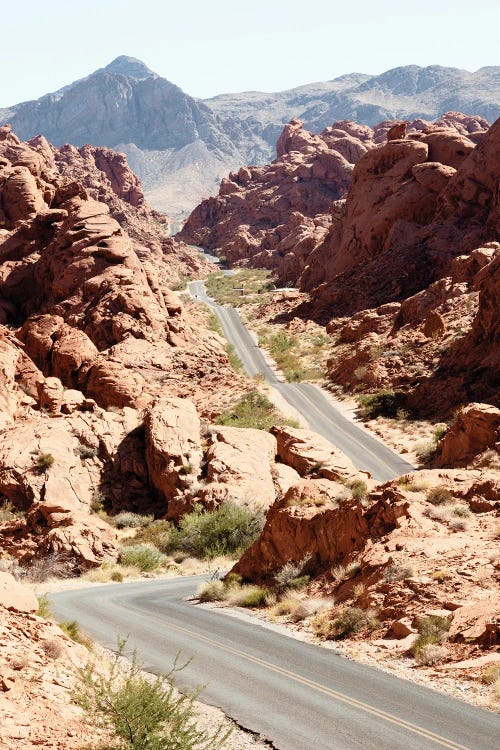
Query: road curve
297, 695
365, 451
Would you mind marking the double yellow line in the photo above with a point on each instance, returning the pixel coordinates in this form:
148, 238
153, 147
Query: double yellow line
378, 713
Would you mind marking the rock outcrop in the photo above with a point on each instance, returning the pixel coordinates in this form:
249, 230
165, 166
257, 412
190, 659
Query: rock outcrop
475, 430
90, 332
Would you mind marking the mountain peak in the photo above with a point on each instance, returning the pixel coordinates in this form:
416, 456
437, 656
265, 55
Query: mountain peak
130, 67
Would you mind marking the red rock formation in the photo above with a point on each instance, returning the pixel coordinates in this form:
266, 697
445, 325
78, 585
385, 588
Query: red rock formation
100, 328
274, 215
475, 430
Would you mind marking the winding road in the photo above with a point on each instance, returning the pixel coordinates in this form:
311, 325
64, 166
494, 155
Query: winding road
365, 451
297, 695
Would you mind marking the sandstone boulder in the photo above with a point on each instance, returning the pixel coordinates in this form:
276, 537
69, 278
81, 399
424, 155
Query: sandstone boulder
15, 596
475, 430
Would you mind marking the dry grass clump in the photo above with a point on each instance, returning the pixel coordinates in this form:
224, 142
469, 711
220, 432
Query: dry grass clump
128, 520
345, 572
439, 495
293, 574
359, 489
212, 591
288, 605
398, 572
44, 461
247, 596
433, 631
52, 648
146, 557
111, 572
73, 631
440, 575
42, 569
344, 622
412, 485
430, 654
491, 674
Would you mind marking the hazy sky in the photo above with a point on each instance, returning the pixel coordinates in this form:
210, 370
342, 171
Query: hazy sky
215, 46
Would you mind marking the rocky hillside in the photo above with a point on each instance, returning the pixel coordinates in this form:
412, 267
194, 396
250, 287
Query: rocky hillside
396, 245
181, 147
90, 335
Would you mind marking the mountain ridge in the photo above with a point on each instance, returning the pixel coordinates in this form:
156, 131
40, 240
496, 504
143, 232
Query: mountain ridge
181, 146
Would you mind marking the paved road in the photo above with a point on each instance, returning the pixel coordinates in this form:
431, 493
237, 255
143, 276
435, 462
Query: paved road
314, 404
299, 696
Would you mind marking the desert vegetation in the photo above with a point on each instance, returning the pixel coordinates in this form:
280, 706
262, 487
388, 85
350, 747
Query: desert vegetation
255, 410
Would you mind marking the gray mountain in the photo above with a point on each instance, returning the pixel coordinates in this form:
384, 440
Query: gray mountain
182, 146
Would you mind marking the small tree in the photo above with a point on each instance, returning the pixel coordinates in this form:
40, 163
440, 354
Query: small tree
142, 712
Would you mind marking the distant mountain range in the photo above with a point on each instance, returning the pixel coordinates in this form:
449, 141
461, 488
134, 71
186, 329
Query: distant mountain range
181, 146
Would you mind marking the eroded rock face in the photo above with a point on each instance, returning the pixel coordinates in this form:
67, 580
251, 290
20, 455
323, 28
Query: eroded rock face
310, 453
275, 215
475, 430
16, 597
239, 463
86, 272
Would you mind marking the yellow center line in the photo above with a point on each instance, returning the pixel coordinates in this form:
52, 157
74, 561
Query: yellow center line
353, 702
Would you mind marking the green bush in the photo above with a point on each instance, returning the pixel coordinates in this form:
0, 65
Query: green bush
255, 410
359, 489
142, 712
128, 520
351, 620
384, 403
143, 556
228, 530
72, 630
157, 533
44, 461
432, 630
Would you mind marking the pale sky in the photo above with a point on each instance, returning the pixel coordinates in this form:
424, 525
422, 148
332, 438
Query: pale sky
209, 47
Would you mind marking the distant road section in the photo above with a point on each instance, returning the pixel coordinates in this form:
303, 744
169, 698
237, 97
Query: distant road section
365, 451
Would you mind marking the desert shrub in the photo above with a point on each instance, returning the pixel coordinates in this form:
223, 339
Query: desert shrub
141, 712
185, 469
84, 451
432, 630
117, 576
128, 520
44, 461
425, 452
491, 674
359, 489
52, 648
383, 403
439, 495
430, 654
440, 575
73, 631
458, 524
351, 620
9, 513
344, 622
44, 607
228, 530
293, 575
397, 572
307, 608
247, 596
462, 511
439, 432
255, 410
42, 568
212, 591
157, 533
143, 556
234, 360
286, 606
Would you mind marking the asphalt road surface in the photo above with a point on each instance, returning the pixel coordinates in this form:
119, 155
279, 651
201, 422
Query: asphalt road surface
365, 451
297, 695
